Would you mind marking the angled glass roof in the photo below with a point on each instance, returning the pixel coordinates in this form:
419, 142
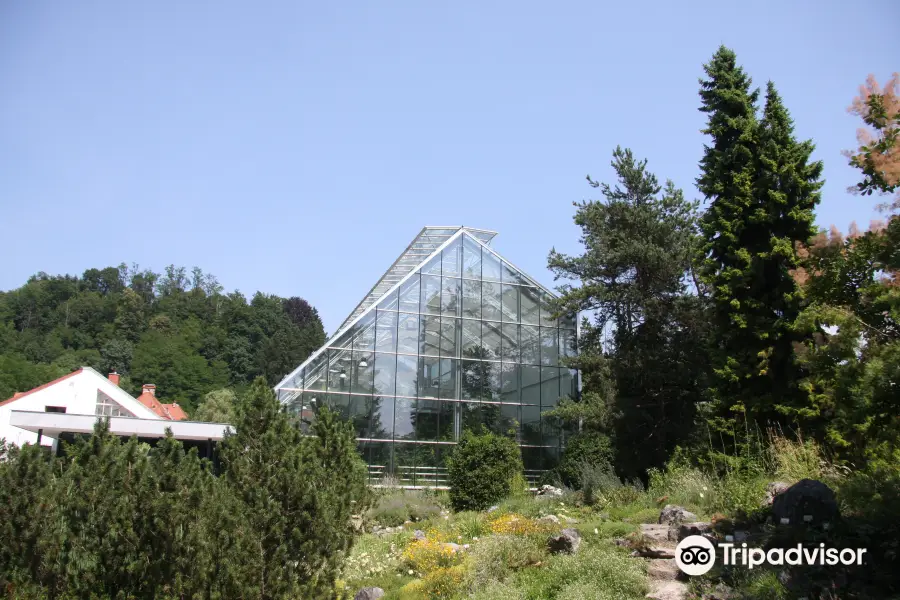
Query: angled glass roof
428, 240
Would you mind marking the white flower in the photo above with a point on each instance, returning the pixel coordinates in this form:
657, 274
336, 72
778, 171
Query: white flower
410, 572
596, 531
701, 494
475, 539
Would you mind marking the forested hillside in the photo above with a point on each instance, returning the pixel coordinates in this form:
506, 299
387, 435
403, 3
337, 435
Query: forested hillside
178, 330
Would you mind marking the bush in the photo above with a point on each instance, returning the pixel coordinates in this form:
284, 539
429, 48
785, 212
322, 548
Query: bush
497, 556
589, 447
481, 470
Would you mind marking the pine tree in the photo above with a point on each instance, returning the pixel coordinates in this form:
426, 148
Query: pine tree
762, 191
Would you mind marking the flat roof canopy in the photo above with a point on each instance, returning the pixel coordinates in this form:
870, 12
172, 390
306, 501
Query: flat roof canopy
55, 424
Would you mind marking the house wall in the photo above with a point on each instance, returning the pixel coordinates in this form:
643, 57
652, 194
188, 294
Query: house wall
78, 394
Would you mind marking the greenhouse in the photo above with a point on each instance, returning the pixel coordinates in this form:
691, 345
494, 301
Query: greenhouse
452, 337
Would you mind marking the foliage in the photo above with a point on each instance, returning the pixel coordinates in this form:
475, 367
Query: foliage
516, 524
397, 507
635, 275
426, 555
112, 518
591, 447
878, 155
481, 469
176, 330
218, 406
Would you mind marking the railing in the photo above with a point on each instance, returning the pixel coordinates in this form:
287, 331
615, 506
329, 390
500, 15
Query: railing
426, 477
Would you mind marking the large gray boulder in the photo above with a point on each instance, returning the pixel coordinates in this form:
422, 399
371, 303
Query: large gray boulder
566, 541
369, 593
807, 501
675, 515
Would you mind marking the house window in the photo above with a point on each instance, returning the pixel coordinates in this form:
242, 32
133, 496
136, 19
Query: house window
107, 407
55, 409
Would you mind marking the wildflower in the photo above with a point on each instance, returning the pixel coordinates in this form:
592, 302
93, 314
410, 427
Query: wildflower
596, 531
410, 572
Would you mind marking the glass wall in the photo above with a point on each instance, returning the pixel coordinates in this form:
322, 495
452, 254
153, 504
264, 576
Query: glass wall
466, 341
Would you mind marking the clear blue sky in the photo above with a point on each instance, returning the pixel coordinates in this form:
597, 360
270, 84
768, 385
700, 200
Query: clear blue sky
296, 147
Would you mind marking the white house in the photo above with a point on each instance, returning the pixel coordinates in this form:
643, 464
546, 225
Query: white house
82, 392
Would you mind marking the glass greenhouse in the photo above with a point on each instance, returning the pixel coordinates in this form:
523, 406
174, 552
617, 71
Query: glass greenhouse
452, 336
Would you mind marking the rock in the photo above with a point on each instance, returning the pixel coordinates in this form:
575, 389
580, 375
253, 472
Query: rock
356, 521
369, 593
419, 534
493, 508
774, 489
719, 592
668, 590
549, 519
655, 533
675, 515
686, 529
567, 541
741, 536
570, 520
622, 542
662, 570
549, 490
654, 553
807, 501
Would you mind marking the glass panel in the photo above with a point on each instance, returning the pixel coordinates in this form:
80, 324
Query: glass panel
406, 375
365, 336
547, 310
409, 294
434, 420
471, 339
346, 340
315, 373
491, 339
471, 258
490, 301
382, 420
530, 344
404, 419
385, 373
567, 342
531, 426
449, 335
550, 458
529, 298
471, 299
510, 350
470, 416
549, 350
365, 412
433, 266
430, 335
339, 368
490, 267
493, 381
510, 419
490, 416
450, 296
509, 383
510, 303
567, 384
431, 294
404, 463
448, 378
429, 376
389, 302
531, 384
549, 387
386, 331
339, 403
510, 275
408, 334
568, 321
363, 372
377, 455
474, 382
550, 429
451, 258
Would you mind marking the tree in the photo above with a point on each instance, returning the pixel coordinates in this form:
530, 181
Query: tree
642, 355
299, 493
762, 190
218, 406
878, 155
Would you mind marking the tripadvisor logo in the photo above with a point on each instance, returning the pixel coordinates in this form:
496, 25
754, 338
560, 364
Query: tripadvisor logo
696, 555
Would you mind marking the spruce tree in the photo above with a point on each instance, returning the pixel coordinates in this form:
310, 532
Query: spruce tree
762, 190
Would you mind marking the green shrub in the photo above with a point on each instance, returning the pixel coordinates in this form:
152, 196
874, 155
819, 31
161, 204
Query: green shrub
496, 557
481, 470
589, 447
397, 507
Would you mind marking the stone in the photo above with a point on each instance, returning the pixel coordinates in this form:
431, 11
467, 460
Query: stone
567, 541
369, 593
741, 536
654, 553
697, 528
773, 490
493, 508
668, 590
570, 520
549, 519
806, 497
551, 491
419, 534
719, 592
675, 515
662, 570
655, 533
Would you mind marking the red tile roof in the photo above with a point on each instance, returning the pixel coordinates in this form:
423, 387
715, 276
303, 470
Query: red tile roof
18, 395
172, 412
